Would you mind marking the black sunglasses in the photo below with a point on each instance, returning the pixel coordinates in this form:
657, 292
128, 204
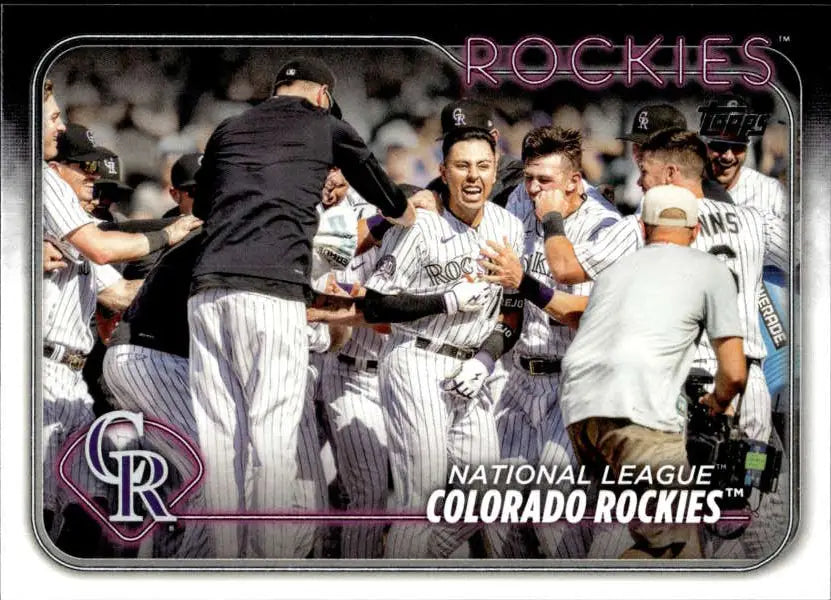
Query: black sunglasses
90, 167
722, 147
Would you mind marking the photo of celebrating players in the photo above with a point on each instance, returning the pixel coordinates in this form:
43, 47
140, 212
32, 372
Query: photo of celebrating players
402, 302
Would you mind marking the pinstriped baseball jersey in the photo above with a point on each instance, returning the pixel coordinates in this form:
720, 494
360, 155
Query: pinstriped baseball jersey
742, 236
435, 254
746, 240
62, 213
69, 294
69, 297
761, 192
540, 335
365, 341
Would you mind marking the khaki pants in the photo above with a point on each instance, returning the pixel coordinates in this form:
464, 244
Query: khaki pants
600, 441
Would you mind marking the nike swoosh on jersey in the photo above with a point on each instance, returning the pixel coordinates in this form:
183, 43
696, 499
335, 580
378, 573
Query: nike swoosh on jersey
444, 240
358, 266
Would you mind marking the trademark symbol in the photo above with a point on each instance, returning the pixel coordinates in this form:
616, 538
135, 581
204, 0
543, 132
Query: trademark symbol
735, 493
784, 39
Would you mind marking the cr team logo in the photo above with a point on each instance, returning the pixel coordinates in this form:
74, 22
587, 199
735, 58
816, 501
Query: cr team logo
138, 476
139, 473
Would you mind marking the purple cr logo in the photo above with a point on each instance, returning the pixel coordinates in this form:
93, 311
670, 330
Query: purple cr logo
138, 472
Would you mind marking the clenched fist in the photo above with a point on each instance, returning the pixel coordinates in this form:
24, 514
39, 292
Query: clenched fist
551, 200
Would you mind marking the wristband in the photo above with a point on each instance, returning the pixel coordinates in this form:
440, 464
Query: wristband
378, 226
451, 303
500, 341
552, 224
157, 239
535, 292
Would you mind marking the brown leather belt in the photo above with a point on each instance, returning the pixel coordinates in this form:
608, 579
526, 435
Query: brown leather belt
73, 360
540, 366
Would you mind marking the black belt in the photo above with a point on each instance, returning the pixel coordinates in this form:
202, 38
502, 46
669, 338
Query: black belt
360, 363
445, 349
540, 366
73, 360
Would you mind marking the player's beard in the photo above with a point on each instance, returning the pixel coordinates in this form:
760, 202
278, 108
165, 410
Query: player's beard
725, 172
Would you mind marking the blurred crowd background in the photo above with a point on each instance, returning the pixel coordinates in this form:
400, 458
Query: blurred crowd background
151, 105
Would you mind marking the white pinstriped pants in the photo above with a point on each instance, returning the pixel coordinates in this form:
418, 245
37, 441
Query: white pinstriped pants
310, 490
67, 407
755, 416
155, 384
446, 539
532, 431
360, 443
248, 359
427, 430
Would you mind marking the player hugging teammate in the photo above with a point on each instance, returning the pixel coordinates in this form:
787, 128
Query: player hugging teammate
328, 358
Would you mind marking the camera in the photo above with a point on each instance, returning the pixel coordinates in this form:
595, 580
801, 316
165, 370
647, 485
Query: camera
739, 462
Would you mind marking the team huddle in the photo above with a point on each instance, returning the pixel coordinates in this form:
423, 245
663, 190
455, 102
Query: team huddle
333, 343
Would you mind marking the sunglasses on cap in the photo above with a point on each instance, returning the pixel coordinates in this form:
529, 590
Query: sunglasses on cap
90, 167
720, 147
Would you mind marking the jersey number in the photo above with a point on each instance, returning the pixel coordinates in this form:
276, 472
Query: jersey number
727, 255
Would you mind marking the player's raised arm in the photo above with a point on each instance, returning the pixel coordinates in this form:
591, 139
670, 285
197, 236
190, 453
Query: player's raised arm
559, 252
364, 173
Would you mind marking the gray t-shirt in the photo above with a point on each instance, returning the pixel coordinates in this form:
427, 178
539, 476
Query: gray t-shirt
636, 339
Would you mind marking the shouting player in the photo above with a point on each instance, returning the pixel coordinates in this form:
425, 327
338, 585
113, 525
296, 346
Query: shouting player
433, 369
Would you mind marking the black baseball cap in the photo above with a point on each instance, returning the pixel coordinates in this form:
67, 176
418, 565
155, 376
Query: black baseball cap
183, 171
653, 118
466, 114
309, 69
77, 144
112, 174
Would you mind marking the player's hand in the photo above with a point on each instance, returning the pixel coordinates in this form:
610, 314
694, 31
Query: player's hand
332, 287
358, 290
182, 226
331, 314
334, 188
52, 258
550, 200
710, 401
468, 297
502, 265
426, 199
407, 219
467, 379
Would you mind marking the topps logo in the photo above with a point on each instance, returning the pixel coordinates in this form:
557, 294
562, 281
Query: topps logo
733, 120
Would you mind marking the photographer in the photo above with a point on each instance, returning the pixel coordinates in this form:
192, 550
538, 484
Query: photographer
623, 373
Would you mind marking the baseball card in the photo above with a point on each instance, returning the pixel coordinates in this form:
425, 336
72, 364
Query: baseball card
517, 289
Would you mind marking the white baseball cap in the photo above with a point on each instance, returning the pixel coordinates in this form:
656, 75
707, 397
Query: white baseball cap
662, 197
